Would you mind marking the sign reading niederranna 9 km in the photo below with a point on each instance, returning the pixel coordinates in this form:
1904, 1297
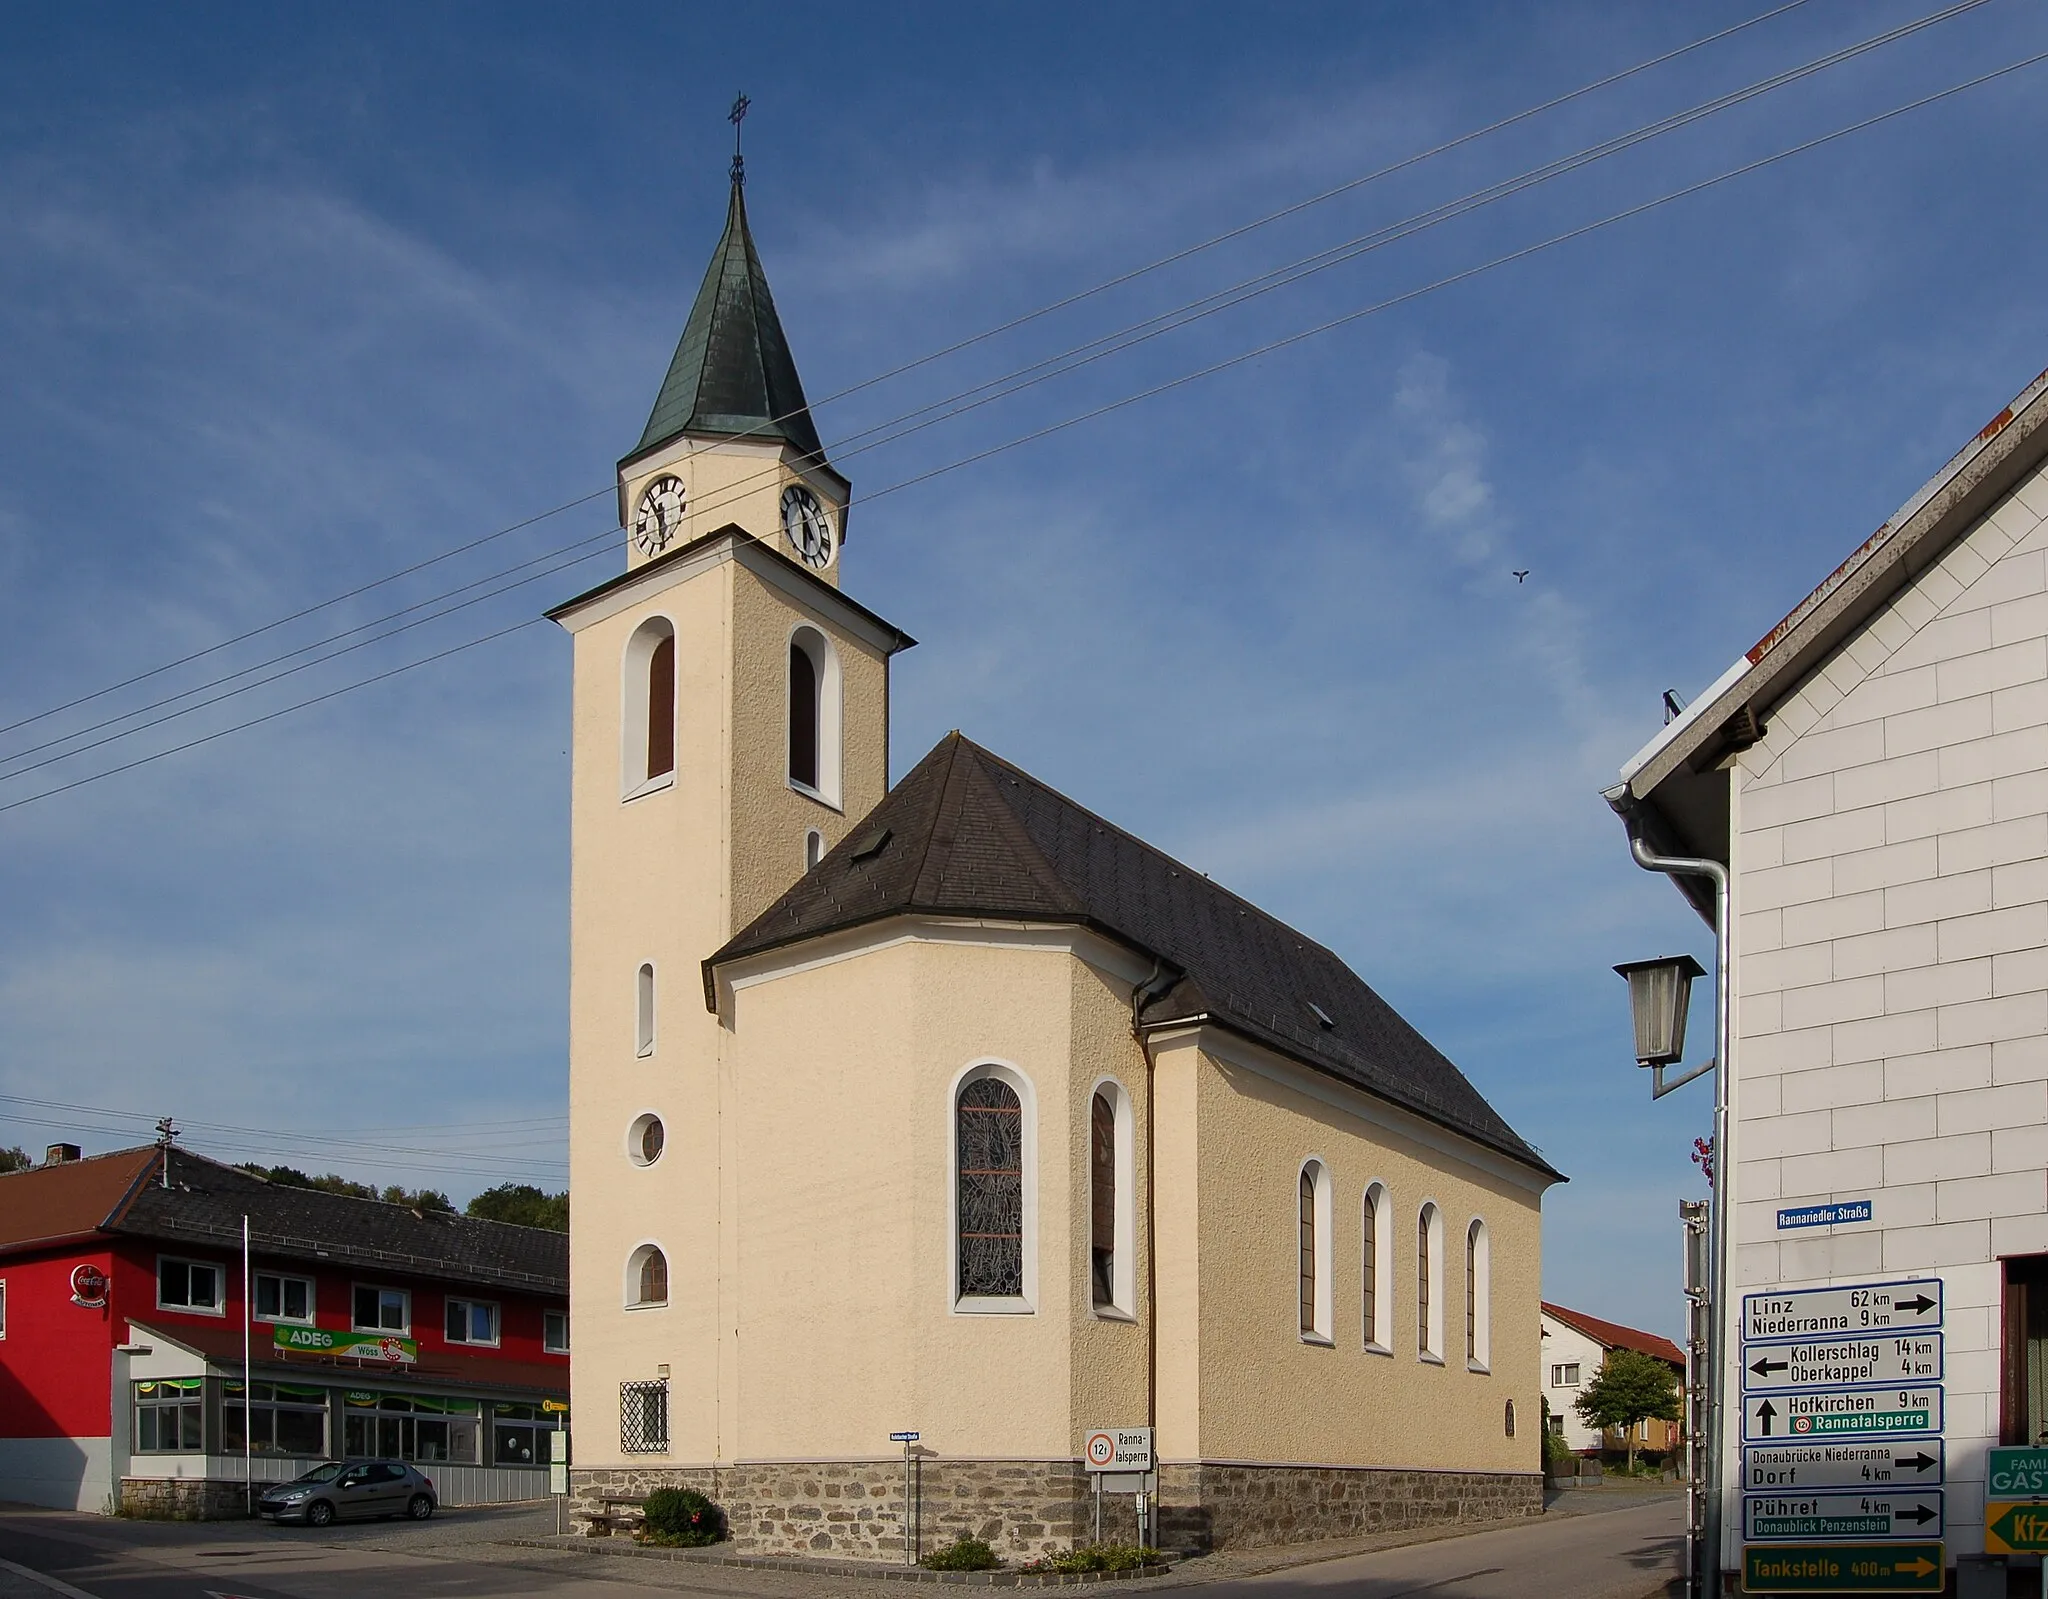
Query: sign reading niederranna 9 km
1911, 1463
1844, 1361
1841, 1412
1893, 1513
1866, 1307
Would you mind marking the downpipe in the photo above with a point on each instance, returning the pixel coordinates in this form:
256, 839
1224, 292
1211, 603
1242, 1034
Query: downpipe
1704, 1569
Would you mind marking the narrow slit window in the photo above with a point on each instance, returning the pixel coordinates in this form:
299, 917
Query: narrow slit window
814, 848
803, 717
661, 708
1102, 1199
643, 1010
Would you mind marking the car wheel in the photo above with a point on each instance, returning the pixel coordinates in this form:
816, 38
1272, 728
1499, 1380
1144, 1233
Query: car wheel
319, 1514
419, 1507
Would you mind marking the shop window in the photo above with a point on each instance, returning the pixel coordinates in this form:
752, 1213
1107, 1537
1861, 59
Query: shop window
643, 1010
643, 1417
1376, 1269
410, 1427
286, 1420
1312, 1229
193, 1285
471, 1321
519, 1434
990, 1135
170, 1416
554, 1331
281, 1298
382, 1310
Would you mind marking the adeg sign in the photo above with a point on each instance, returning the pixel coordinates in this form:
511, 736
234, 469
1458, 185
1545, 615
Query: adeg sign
89, 1287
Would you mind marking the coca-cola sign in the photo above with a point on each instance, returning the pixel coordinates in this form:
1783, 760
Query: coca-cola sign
89, 1287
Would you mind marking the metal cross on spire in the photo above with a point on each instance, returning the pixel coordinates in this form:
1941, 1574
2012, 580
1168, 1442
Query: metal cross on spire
736, 116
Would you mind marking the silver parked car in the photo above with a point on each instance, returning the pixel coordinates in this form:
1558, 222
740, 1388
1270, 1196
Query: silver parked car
351, 1490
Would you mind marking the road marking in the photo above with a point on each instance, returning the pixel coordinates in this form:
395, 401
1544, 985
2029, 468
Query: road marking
57, 1584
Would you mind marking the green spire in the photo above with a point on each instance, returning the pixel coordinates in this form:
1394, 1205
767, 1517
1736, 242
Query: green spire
732, 373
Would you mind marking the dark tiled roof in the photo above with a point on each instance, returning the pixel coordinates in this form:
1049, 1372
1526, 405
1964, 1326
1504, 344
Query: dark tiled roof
967, 834
732, 372
206, 1201
73, 1200
1613, 1335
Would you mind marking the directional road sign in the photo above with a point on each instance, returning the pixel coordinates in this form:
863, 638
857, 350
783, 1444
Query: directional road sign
2017, 1473
1915, 1463
1842, 1412
1842, 1361
2015, 1529
1844, 1568
1868, 1307
1900, 1513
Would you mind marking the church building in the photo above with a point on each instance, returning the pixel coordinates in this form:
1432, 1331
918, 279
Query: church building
951, 1108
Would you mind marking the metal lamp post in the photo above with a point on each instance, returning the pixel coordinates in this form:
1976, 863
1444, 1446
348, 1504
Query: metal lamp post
1659, 994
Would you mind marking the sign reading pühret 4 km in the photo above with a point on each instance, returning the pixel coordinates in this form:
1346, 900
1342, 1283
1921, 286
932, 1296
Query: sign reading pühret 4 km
1866, 1307
1887, 1513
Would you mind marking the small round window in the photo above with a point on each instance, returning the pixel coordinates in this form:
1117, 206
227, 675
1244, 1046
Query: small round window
644, 1142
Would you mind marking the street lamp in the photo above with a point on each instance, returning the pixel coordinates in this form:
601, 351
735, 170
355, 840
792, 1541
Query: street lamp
1659, 992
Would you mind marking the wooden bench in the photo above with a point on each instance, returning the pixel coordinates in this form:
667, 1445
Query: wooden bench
614, 1513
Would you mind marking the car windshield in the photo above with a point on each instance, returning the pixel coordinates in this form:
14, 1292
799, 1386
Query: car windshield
326, 1473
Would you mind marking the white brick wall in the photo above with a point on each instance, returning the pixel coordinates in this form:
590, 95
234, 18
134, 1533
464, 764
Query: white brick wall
1892, 970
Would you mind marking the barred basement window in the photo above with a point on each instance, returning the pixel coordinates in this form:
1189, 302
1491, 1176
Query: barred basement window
643, 1417
990, 1133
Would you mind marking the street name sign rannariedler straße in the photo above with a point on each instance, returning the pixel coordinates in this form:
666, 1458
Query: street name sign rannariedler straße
1844, 1568
1802, 1517
1852, 1463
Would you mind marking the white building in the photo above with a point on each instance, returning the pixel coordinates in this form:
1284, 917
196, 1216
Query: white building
1874, 774
1574, 1345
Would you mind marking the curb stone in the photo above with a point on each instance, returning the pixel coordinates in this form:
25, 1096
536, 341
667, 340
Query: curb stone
870, 1570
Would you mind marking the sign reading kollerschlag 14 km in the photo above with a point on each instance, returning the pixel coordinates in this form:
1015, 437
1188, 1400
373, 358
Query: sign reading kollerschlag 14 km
1842, 1391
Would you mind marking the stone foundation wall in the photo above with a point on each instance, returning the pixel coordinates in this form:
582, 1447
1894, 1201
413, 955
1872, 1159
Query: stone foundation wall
183, 1499
1023, 1508
1245, 1507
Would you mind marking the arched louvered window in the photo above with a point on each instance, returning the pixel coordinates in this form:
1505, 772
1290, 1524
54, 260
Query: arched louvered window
647, 1277
1429, 1310
989, 1133
1308, 1250
803, 716
1102, 1199
1312, 1231
661, 708
1376, 1270
1478, 1297
647, 728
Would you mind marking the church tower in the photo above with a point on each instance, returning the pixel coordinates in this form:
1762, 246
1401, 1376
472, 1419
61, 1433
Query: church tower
731, 720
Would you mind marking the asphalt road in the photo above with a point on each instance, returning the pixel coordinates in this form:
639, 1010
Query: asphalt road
1623, 1553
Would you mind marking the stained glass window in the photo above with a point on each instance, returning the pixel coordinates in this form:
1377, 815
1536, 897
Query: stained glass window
991, 1200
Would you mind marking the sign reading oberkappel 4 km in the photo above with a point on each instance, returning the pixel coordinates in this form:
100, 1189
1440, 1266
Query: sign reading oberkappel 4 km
1870, 1307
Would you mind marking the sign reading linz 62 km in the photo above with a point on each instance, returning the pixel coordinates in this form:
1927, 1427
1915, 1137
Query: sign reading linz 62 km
1868, 1307
1896, 1513
1840, 1362
1841, 1412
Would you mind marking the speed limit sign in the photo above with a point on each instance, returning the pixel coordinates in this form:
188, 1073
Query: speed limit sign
1117, 1449
1101, 1450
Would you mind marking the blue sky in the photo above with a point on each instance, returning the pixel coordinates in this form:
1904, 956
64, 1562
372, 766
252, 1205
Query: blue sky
292, 300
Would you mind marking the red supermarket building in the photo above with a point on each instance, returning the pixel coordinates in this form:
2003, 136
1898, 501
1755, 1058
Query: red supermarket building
375, 1330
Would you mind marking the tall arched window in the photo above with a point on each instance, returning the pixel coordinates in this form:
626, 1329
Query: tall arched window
803, 717
814, 715
1478, 1297
1376, 1270
643, 1010
989, 1145
647, 723
1429, 1310
1313, 1232
1102, 1199
647, 1277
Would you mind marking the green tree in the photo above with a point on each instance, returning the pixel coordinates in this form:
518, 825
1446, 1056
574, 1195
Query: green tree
15, 1160
524, 1205
424, 1199
1628, 1388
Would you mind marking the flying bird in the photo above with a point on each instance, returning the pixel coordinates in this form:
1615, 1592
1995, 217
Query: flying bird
1521, 574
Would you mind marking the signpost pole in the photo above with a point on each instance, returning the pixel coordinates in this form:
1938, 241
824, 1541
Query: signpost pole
248, 1384
910, 1530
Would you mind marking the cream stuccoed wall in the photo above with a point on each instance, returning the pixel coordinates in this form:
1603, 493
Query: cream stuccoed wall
734, 481
1238, 1380
665, 877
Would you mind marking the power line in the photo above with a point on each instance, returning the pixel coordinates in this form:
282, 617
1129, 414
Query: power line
1059, 364
1117, 281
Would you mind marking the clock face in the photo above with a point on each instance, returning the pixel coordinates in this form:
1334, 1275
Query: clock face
808, 525
659, 520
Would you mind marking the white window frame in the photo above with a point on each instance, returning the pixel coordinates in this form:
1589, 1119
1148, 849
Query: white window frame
1479, 1267
220, 1288
468, 1304
634, 1258
1123, 1269
634, 662
1026, 1303
645, 1015
281, 1278
824, 654
1317, 1170
548, 1320
405, 1301
1558, 1379
635, 1128
1379, 1335
1433, 1214
814, 848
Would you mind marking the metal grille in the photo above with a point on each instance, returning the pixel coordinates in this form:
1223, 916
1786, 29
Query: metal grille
643, 1417
991, 1142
